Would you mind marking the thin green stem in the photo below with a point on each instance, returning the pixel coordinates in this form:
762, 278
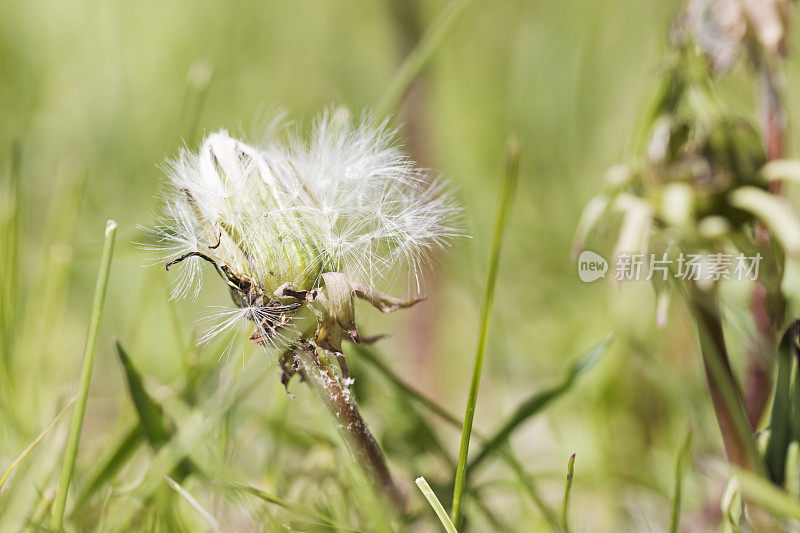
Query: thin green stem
368, 354
101, 524
507, 193
567, 491
415, 61
192, 501
10, 201
427, 491
71, 450
681, 463
21, 457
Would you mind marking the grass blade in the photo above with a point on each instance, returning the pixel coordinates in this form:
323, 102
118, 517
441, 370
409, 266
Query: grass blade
761, 492
10, 199
792, 482
151, 416
128, 441
210, 520
731, 507
101, 524
21, 457
781, 420
152, 421
262, 495
71, 450
567, 491
194, 427
506, 196
430, 440
109, 464
681, 464
427, 491
415, 61
368, 354
540, 400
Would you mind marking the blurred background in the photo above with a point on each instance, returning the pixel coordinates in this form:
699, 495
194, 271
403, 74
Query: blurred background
94, 96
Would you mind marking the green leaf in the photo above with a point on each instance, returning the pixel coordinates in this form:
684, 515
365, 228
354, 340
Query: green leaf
583, 364
152, 421
151, 415
542, 399
782, 421
129, 441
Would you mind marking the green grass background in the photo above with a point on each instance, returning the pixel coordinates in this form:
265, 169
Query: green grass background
94, 96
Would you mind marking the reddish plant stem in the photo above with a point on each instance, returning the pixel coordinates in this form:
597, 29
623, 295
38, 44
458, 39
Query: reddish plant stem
767, 309
714, 347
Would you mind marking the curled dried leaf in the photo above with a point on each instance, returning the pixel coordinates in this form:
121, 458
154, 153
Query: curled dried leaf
384, 302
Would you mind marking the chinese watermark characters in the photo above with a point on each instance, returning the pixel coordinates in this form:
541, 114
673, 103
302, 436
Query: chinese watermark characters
691, 267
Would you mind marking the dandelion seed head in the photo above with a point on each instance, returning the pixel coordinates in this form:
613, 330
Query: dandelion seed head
344, 198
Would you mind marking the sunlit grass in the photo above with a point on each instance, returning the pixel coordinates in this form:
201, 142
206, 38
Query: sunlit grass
180, 437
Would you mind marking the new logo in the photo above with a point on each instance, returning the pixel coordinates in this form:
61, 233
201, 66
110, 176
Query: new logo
591, 266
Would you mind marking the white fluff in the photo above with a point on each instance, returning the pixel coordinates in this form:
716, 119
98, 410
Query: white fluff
345, 199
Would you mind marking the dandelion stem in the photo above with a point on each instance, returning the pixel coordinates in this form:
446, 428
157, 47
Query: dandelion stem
339, 402
506, 196
415, 61
71, 450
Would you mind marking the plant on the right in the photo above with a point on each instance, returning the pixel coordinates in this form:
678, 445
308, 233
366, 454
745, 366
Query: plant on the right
705, 185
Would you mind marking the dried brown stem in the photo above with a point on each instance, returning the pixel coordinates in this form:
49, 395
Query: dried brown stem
339, 402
